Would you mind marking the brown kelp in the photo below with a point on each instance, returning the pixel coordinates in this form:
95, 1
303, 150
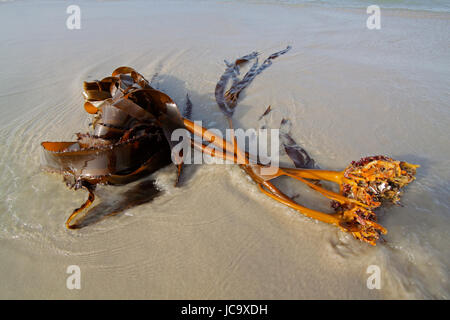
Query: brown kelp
130, 135
131, 138
362, 184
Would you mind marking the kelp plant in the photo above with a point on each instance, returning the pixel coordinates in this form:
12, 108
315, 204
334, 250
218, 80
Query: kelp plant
131, 133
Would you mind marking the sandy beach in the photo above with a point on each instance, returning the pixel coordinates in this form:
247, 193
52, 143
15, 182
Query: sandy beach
349, 92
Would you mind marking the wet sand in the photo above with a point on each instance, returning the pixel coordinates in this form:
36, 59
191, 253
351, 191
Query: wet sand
349, 92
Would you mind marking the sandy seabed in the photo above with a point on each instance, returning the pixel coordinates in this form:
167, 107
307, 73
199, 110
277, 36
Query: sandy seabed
349, 92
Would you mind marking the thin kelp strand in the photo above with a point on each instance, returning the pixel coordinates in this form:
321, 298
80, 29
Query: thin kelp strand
296, 153
187, 113
268, 110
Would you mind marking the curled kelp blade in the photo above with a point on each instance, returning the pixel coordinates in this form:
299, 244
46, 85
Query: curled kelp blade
125, 135
90, 107
227, 101
100, 90
130, 77
113, 202
137, 99
231, 72
95, 162
122, 70
123, 80
233, 93
91, 198
132, 127
164, 109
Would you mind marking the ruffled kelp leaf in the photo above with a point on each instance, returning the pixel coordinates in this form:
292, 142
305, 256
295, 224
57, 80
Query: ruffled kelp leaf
227, 101
231, 72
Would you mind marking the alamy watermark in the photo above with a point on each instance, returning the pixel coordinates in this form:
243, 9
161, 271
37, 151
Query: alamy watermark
374, 20
74, 280
73, 21
374, 280
263, 146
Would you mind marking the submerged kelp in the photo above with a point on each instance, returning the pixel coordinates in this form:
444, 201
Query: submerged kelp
131, 138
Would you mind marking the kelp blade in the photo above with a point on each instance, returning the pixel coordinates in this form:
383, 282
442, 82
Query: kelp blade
92, 163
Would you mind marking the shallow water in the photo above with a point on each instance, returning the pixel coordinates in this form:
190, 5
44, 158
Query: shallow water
416, 5
349, 92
